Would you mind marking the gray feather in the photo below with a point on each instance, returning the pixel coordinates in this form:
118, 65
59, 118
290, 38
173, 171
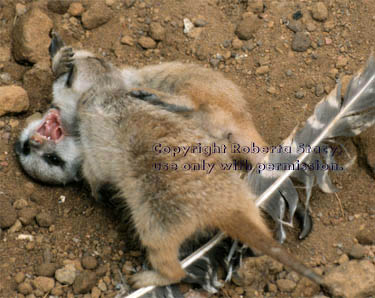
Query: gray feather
333, 117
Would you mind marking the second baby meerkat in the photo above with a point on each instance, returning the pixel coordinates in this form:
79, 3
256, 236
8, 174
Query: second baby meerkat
117, 133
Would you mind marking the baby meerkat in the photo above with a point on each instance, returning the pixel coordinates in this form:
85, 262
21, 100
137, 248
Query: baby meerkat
46, 147
117, 135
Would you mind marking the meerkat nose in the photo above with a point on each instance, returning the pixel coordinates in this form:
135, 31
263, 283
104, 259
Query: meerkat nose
37, 140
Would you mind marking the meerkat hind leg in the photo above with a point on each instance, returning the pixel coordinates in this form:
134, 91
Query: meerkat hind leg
167, 267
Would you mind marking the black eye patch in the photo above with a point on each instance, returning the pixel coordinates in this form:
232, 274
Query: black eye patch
53, 159
22, 148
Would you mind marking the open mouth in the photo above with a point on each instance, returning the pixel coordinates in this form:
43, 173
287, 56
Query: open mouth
51, 128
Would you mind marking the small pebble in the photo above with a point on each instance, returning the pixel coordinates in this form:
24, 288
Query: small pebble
147, 42
44, 219
357, 252
320, 12
262, 70
300, 94
89, 262
286, 285
20, 277
66, 275
319, 90
127, 40
20, 204
301, 42
46, 269
25, 288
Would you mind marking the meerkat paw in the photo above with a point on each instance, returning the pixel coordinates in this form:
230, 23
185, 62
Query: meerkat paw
66, 62
149, 278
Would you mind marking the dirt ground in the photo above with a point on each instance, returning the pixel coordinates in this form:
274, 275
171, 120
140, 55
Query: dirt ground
282, 85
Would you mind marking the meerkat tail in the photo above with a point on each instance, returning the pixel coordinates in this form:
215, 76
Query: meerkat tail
241, 227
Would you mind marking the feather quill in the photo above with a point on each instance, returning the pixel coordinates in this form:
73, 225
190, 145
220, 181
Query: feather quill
332, 117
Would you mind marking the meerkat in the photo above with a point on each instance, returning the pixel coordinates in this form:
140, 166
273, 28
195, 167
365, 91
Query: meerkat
117, 135
45, 147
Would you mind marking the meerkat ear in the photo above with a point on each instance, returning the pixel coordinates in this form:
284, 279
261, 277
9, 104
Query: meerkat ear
56, 44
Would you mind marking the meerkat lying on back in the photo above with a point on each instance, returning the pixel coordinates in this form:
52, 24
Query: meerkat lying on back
46, 149
117, 133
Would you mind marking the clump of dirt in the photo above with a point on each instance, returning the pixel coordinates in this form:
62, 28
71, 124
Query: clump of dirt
286, 55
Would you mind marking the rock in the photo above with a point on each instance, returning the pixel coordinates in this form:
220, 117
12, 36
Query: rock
89, 262
253, 270
95, 292
20, 277
102, 270
38, 80
300, 94
76, 9
20, 204
66, 275
26, 215
199, 22
147, 42
329, 25
319, 90
33, 117
248, 26
366, 236
157, 32
128, 40
357, 252
110, 3
102, 286
188, 26
129, 3
8, 215
262, 70
306, 288
343, 259
58, 6
84, 282
44, 219
286, 285
301, 42
25, 45
310, 26
5, 54
214, 62
25, 288
341, 62
13, 99
352, 279
98, 14
5, 78
237, 44
20, 9
44, 284
319, 12
46, 269
16, 227
295, 26
256, 6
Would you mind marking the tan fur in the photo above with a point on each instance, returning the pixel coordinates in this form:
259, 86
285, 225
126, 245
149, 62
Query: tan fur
226, 112
118, 133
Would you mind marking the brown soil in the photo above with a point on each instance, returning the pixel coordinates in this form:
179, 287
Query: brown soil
82, 227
